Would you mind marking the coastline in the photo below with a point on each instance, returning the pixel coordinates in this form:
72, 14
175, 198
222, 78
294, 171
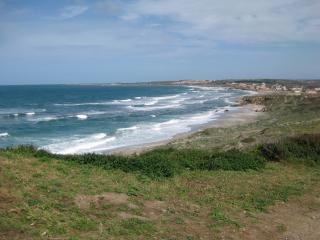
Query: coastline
240, 114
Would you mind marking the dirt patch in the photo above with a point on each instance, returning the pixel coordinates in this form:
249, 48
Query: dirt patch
156, 205
124, 215
85, 201
14, 235
295, 220
6, 198
154, 209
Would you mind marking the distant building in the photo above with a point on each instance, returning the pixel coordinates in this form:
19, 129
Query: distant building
311, 91
297, 90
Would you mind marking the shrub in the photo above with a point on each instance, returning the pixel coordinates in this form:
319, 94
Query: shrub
299, 148
160, 163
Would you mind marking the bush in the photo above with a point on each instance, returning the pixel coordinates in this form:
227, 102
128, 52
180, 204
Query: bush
160, 163
299, 148
22, 149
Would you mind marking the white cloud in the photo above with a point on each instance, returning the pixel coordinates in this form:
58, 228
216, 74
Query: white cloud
109, 7
184, 27
245, 20
72, 11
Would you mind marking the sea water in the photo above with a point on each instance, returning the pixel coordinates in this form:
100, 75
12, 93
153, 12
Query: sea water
70, 119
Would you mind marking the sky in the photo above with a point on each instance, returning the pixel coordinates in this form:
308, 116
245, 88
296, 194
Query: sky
88, 41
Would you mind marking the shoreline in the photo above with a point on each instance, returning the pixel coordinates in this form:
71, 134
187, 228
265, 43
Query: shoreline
241, 114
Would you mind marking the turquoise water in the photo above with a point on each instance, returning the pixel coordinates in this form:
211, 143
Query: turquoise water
91, 118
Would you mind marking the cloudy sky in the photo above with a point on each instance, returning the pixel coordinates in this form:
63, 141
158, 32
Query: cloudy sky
78, 41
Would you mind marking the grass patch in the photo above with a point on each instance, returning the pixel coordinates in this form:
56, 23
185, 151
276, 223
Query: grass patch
220, 219
267, 196
168, 162
158, 163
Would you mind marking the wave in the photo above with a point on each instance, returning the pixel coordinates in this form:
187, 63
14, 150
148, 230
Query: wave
127, 129
151, 103
5, 134
82, 116
16, 112
45, 119
82, 145
134, 135
147, 108
81, 104
136, 100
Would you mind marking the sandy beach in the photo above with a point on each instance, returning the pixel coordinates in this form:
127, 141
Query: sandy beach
240, 114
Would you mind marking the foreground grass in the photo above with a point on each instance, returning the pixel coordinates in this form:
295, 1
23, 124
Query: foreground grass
38, 199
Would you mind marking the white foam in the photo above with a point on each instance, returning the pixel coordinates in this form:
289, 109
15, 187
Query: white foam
134, 135
30, 113
80, 145
44, 119
147, 108
167, 97
127, 129
90, 113
151, 103
147, 101
5, 134
99, 136
82, 104
82, 116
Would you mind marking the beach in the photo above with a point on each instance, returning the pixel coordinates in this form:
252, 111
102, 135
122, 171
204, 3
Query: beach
241, 114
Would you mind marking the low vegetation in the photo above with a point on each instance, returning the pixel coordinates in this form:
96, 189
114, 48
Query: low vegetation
167, 162
158, 163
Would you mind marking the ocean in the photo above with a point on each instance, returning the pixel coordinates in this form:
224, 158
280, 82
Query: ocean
75, 119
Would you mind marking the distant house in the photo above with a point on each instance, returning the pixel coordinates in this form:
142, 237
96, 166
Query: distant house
297, 90
311, 91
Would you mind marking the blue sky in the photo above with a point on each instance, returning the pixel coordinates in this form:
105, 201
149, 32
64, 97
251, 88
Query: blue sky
144, 40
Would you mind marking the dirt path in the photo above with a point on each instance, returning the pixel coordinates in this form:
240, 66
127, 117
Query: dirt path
295, 220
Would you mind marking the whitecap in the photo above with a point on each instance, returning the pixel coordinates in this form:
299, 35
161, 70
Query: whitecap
147, 108
82, 116
44, 119
80, 145
150, 103
127, 129
126, 100
5, 134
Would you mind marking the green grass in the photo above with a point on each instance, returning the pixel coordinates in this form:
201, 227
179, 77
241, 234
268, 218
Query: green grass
38, 197
168, 162
158, 163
